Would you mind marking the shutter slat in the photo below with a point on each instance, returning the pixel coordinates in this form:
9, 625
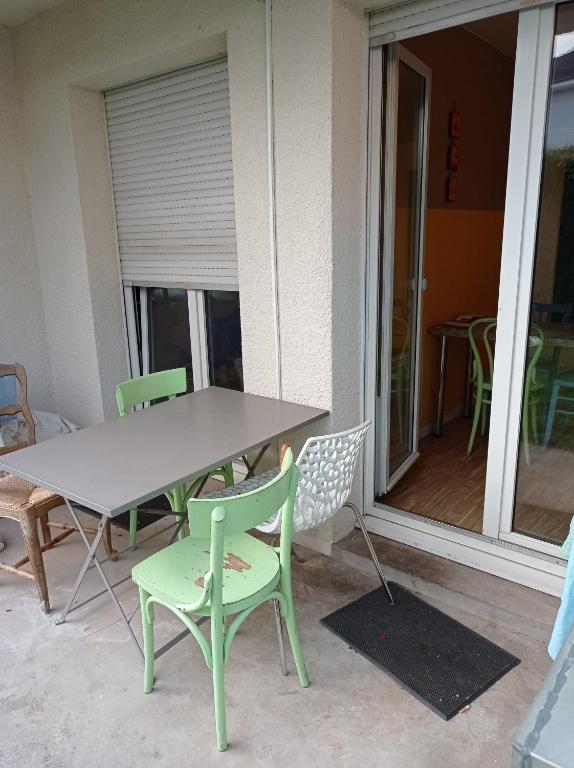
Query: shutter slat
152, 149
200, 72
172, 136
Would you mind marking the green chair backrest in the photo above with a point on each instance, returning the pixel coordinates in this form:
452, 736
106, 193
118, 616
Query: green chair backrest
474, 332
152, 386
215, 519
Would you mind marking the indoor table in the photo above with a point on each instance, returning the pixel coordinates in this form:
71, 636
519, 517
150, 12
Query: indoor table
121, 463
556, 335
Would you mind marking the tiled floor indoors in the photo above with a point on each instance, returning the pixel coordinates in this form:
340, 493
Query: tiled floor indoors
72, 695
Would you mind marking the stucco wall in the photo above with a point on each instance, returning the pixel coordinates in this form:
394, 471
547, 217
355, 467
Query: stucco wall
22, 325
65, 57
320, 67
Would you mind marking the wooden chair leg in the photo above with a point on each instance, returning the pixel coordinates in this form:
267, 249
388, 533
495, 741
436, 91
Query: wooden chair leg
29, 525
111, 553
46, 533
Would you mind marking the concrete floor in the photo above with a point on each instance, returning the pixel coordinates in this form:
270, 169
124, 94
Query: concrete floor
71, 695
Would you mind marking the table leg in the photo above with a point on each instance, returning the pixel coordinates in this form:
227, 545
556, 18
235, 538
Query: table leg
92, 558
441, 380
252, 467
468, 383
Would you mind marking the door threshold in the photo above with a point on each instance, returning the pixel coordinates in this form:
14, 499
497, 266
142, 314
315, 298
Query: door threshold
521, 565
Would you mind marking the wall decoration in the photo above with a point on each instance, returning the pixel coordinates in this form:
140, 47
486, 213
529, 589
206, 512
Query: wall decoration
451, 188
455, 126
453, 158
453, 161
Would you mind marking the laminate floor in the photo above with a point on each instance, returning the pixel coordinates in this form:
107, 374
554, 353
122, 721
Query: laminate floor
447, 485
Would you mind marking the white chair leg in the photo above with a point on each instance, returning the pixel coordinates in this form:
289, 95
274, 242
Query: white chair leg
372, 552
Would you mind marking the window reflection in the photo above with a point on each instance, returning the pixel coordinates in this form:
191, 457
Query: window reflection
545, 479
224, 339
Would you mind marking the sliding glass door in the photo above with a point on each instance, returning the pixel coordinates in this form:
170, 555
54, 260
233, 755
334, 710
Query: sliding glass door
544, 499
405, 130
528, 500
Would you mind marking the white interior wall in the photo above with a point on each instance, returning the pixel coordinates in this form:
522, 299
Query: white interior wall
22, 324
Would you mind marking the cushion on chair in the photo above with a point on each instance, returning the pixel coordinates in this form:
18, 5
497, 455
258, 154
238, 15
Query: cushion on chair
176, 573
245, 486
17, 495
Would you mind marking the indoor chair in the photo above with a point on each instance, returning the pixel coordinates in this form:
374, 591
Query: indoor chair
561, 402
220, 571
532, 390
27, 503
155, 386
481, 381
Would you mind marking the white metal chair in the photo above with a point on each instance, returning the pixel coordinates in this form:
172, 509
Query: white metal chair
326, 468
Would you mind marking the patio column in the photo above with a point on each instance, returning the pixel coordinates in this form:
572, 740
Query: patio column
320, 73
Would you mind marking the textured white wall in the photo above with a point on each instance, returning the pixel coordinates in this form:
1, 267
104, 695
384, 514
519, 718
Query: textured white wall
22, 324
320, 78
321, 68
80, 47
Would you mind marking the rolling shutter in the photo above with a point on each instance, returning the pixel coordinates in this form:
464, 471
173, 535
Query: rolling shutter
401, 19
172, 174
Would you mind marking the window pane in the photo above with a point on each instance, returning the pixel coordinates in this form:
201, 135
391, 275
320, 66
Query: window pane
224, 339
545, 480
168, 328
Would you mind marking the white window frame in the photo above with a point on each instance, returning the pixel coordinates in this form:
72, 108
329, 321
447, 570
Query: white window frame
498, 550
197, 334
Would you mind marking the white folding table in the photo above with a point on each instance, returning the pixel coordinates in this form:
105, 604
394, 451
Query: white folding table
120, 464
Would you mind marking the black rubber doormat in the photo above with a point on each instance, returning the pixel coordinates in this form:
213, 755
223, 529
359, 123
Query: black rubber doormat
440, 661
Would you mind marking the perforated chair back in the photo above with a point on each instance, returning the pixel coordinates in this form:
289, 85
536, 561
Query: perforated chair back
326, 468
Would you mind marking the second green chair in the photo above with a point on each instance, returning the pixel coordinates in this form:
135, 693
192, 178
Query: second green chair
155, 386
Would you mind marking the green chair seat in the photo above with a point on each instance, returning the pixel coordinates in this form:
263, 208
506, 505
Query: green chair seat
175, 574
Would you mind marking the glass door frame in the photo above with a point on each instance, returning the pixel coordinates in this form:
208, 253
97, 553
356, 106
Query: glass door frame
390, 72
498, 549
530, 102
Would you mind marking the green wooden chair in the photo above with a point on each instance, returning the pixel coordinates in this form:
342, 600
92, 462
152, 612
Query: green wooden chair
532, 390
154, 386
481, 381
220, 571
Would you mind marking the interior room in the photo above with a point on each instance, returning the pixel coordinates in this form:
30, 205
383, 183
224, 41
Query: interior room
471, 73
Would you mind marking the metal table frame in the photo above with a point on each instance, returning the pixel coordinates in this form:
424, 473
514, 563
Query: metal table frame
110, 469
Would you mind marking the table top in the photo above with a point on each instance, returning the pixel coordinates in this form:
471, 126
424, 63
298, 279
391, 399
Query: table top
546, 737
555, 334
119, 464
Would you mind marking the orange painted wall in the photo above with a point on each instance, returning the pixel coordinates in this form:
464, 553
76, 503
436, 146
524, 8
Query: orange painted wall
463, 239
462, 269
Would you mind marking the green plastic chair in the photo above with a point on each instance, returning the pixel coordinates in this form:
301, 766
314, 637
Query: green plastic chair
220, 571
154, 386
482, 384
